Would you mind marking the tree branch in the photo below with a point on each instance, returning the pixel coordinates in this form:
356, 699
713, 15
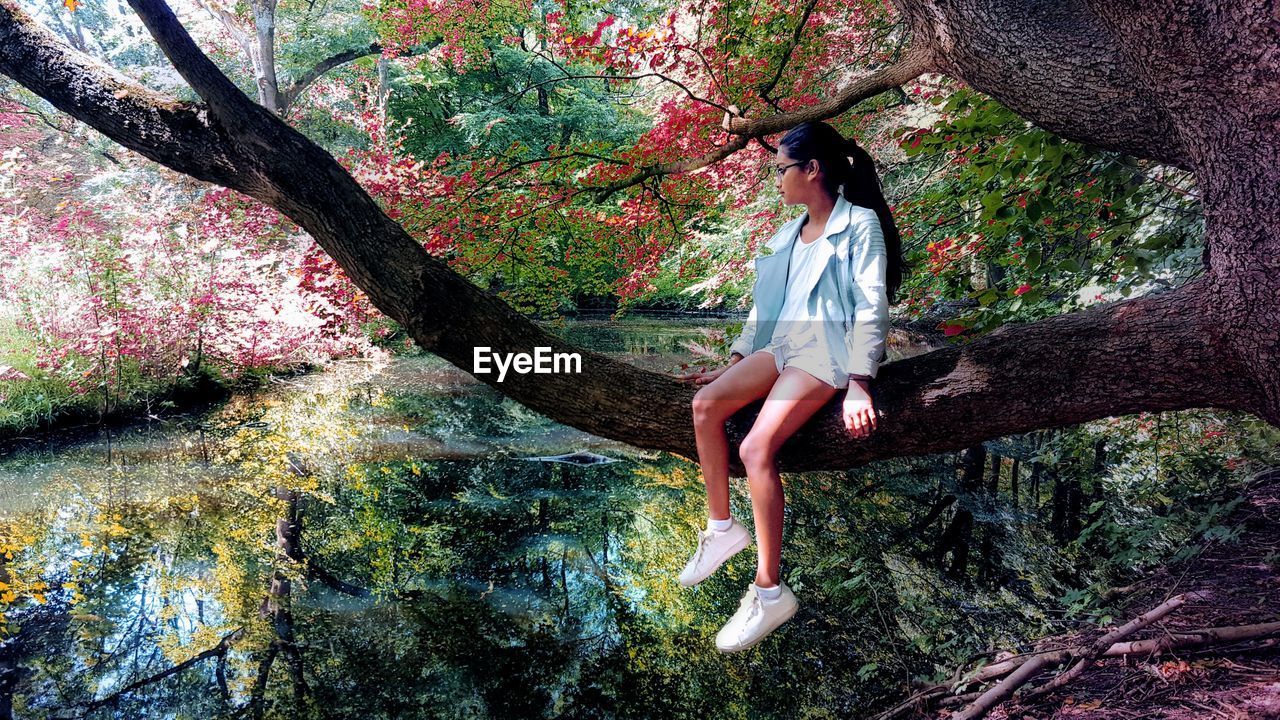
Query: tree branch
1004, 689
1144, 354
158, 126
1020, 670
913, 64
231, 24
905, 70
233, 108
631, 78
216, 651
1104, 643
1055, 64
315, 72
604, 192
785, 53
304, 81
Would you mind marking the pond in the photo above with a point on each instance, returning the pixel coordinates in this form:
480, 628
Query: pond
392, 539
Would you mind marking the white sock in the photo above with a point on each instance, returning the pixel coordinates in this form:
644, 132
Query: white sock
769, 593
719, 525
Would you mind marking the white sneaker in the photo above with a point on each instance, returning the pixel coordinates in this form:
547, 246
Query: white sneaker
714, 548
755, 619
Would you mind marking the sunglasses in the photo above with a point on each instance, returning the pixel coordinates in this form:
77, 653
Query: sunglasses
783, 169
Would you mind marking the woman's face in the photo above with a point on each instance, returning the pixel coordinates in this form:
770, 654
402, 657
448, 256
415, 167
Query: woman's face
794, 181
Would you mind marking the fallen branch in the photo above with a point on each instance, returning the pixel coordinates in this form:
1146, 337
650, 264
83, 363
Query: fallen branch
1002, 668
1194, 638
1004, 689
1104, 643
1032, 667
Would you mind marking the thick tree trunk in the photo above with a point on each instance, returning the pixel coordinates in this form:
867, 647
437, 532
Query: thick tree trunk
1194, 85
1197, 91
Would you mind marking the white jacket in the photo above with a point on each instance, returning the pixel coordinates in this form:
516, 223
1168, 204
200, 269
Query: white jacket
848, 280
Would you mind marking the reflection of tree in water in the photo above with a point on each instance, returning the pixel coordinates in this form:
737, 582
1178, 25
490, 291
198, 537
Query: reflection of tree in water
352, 587
488, 586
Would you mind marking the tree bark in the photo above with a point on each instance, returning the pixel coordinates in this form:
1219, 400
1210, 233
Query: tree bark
1198, 91
1192, 85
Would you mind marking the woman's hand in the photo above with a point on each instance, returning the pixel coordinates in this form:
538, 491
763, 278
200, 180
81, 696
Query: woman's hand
859, 413
701, 376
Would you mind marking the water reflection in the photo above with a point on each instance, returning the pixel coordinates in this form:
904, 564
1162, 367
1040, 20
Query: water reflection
373, 541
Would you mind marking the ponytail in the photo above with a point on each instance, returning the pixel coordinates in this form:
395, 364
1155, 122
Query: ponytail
862, 187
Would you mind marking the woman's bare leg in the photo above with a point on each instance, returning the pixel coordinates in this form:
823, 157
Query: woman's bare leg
795, 397
743, 383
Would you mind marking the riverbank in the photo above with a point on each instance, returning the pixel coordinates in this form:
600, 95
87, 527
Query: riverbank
34, 401
41, 406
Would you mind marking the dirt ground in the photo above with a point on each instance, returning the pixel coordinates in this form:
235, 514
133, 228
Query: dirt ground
1234, 584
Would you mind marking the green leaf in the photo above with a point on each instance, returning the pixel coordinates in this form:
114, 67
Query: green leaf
1034, 210
1033, 259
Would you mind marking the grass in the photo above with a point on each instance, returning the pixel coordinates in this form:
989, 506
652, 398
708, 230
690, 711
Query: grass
46, 401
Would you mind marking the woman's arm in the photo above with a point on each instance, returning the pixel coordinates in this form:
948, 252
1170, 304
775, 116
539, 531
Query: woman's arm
865, 340
746, 339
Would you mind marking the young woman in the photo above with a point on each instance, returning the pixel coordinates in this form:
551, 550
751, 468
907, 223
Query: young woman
817, 329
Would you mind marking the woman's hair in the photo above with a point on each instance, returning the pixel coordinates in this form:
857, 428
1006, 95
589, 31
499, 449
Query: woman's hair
845, 163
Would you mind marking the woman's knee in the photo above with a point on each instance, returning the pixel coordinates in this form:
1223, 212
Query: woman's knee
710, 407
756, 452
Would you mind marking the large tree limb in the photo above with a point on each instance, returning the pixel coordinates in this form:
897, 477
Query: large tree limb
232, 107
172, 133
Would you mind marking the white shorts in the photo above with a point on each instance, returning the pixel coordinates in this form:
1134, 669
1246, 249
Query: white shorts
808, 356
